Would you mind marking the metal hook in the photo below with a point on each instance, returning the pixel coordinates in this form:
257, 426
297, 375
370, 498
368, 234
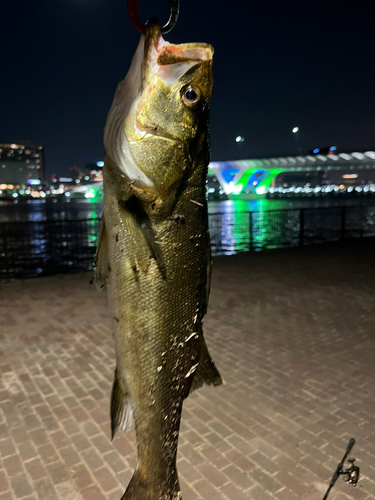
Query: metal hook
174, 6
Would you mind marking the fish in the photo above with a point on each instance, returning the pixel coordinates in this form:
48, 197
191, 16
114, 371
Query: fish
153, 254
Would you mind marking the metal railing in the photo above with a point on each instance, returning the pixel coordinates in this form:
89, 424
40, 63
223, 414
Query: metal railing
30, 249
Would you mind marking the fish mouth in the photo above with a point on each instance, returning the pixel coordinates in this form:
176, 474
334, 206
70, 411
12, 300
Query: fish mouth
157, 131
169, 61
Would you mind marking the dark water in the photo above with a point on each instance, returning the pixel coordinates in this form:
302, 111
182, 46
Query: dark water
47, 237
42, 210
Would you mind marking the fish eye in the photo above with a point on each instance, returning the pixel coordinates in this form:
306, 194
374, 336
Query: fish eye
191, 95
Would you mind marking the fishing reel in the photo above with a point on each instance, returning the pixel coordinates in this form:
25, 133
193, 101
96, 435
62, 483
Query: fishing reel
351, 474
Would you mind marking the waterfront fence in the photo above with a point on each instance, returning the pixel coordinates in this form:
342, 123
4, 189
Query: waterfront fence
30, 249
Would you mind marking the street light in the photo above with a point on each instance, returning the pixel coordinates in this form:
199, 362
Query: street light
239, 138
295, 130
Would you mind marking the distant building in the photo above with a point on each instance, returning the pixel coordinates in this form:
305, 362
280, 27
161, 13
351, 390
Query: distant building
21, 164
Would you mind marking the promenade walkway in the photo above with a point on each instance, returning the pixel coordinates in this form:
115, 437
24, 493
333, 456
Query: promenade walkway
293, 334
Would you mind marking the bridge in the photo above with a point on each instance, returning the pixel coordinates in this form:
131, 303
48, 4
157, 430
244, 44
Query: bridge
258, 176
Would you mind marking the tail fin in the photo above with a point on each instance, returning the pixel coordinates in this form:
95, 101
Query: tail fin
154, 488
121, 407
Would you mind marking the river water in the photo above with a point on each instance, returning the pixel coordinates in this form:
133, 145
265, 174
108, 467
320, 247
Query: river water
43, 237
53, 209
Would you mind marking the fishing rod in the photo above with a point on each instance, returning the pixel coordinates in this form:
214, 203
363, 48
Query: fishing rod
351, 474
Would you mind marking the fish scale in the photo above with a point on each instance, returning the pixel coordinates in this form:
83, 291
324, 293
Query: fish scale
154, 250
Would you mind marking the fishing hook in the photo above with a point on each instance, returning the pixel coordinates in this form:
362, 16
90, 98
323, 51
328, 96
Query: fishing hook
174, 6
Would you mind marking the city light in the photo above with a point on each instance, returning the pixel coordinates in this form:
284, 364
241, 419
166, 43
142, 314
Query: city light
260, 190
100, 163
91, 193
295, 130
239, 138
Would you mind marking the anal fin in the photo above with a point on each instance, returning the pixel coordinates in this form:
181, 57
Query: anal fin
121, 407
206, 373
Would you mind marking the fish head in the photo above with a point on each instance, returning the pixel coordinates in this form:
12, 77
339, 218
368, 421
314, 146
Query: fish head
165, 129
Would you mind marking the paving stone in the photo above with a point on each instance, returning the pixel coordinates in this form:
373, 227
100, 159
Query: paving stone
69, 456
232, 492
48, 453
70, 426
7, 447
13, 465
8, 495
238, 477
106, 479
82, 476
90, 428
280, 328
4, 483
240, 460
115, 495
115, 462
213, 475
45, 489
102, 444
58, 472
91, 458
213, 457
36, 469
206, 490
21, 486
267, 482
92, 493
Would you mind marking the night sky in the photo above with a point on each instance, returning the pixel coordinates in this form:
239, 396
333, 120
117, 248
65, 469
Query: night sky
277, 64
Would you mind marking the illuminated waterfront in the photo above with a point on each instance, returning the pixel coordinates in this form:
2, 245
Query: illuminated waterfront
46, 237
53, 209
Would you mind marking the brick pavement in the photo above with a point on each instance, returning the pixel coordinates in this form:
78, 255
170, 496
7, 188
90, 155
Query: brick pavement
292, 332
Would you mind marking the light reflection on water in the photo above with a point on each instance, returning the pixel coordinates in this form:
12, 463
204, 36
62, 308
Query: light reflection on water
65, 244
52, 209
41, 210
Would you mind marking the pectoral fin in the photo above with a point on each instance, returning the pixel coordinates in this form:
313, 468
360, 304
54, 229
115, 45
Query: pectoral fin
135, 208
101, 258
